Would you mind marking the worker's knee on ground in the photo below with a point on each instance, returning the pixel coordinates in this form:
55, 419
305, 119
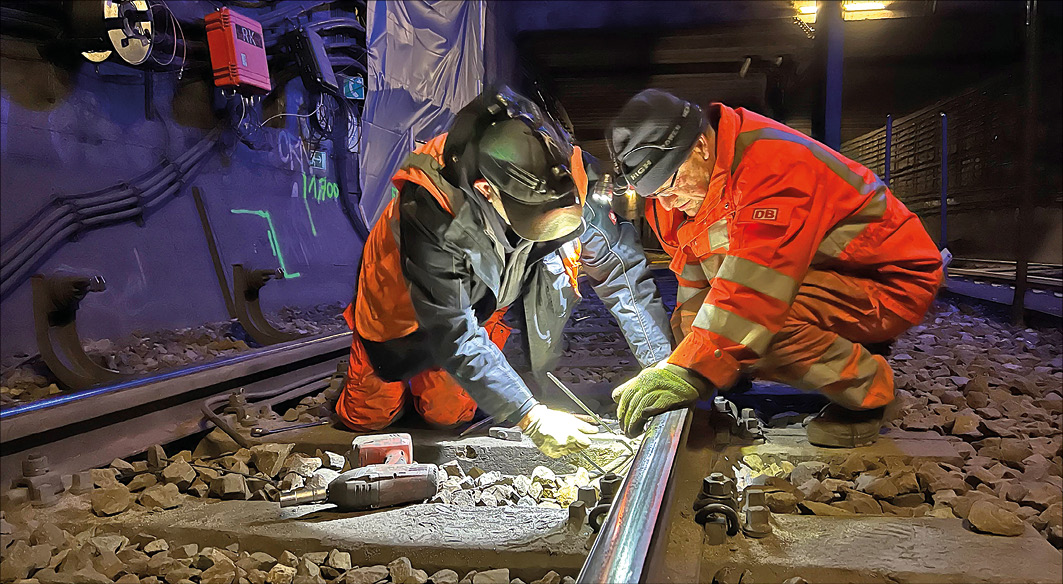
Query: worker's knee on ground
447, 415
864, 393
368, 413
369, 424
440, 400
367, 402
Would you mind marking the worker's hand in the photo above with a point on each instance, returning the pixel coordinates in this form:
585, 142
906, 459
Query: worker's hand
556, 433
653, 391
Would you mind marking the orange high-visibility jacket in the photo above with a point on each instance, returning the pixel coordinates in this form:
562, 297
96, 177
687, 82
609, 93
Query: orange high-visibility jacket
383, 309
780, 204
430, 267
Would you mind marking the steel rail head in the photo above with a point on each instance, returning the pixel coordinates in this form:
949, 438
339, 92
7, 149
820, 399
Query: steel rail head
282, 355
620, 552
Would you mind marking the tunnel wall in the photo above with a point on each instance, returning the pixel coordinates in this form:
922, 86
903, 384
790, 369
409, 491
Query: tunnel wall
65, 131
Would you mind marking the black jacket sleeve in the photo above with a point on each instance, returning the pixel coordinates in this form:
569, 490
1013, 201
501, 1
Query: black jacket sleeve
441, 288
616, 264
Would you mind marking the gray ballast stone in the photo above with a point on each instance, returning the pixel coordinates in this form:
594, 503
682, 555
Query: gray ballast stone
160, 497
179, 473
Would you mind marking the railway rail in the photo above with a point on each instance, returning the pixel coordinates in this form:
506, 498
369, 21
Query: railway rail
1039, 275
89, 428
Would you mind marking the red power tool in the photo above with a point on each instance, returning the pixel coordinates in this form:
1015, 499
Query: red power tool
386, 476
394, 448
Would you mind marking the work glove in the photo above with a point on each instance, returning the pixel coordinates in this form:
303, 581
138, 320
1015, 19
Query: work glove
653, 391
556, 433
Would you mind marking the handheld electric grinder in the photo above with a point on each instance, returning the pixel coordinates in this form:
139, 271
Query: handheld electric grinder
386, 476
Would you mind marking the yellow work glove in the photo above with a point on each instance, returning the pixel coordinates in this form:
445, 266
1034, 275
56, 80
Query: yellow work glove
653, 391
556, 433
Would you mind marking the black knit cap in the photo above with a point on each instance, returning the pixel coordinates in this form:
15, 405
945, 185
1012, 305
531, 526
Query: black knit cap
651, 137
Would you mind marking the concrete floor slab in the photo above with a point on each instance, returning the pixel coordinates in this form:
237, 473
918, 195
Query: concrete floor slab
528, 540
885, 549
792, 444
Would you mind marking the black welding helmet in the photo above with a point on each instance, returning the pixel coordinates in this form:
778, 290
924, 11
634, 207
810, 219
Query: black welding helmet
506, 139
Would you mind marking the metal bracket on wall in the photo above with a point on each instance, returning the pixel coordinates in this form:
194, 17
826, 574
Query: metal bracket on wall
55, 305
246, 285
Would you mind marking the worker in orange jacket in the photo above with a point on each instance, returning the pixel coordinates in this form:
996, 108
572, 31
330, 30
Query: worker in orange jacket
793, 261
486, 215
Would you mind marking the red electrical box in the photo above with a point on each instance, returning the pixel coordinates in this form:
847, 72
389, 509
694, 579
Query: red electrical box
237, 52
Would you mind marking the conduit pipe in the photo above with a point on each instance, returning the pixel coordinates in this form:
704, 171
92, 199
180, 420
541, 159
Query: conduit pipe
37, 238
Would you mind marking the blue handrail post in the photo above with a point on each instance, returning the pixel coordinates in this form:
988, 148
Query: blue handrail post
889, 147
943, 241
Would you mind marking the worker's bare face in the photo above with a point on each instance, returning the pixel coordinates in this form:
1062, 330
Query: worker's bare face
691, 184
491, 193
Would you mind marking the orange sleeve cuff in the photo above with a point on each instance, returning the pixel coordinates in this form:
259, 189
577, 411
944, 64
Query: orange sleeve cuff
348, 315
706, 359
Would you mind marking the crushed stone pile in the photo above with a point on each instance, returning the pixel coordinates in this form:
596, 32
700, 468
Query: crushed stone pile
996, 392
25, 378
42, 553
542, 488
258, 473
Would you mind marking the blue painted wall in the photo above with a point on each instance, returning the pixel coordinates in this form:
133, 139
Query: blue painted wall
70, 132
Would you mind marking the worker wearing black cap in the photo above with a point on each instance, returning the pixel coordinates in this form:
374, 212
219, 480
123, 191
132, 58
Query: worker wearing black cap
794, 263
487, 214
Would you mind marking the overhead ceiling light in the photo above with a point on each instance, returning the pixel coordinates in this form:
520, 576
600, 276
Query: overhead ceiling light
858, 6
851, 10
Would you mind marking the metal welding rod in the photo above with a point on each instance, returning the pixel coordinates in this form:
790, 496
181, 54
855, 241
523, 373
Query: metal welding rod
580, 403
592, 463
476, 426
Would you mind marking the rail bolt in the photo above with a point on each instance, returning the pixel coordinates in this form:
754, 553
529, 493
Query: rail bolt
577, 515
35, 465
717, 485
755, 498
719, 403
610, 484
757, 521
587, 496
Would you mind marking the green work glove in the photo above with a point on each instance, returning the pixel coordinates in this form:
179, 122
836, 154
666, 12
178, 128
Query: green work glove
653, 391
556, 433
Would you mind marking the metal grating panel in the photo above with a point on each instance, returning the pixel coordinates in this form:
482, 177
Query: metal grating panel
984, 160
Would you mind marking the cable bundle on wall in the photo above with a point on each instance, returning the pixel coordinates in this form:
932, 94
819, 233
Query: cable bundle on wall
68, 216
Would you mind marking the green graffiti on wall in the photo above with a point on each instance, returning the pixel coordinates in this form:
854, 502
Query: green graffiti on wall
320, 190
271, 235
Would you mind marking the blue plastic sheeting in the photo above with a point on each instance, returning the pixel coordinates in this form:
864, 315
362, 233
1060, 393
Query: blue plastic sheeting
425, 63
